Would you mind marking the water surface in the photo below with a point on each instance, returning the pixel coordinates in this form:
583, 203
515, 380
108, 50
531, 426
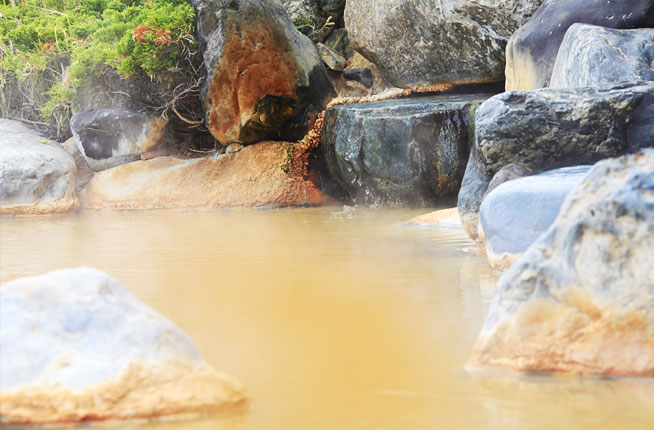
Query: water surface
333, 318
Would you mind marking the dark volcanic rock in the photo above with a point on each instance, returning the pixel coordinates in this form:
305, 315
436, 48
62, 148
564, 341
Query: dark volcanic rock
265, 79
360, 74
400, 151
108, 137
581, 299
425, 43
549, 128
532, 50
591, 55
515, 213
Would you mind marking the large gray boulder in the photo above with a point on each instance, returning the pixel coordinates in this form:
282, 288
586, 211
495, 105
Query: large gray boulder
108, 137
75, 346
581, 299
265, 79
517, 212
532, 50
425, 43
591, 55
409, 151
549, 128
37, 176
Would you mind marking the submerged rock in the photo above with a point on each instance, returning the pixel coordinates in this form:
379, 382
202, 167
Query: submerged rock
268, 174
591, 55
517, 212
265, 79
418, 43
36, 176
581, 299
109, 136
400, 151
77, 346
549, 128
532, 50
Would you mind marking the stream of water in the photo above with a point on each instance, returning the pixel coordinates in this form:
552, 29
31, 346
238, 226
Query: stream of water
333, 318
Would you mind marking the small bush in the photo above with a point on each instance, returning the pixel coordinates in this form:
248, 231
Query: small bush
50, 48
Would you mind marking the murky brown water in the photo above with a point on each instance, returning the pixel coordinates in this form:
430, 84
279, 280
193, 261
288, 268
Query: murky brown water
333, 318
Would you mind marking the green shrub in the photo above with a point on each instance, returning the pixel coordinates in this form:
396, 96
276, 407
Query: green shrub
49, 48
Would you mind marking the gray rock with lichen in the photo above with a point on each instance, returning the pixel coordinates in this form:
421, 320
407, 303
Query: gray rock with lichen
591, 55
36, 175
549, 128
422, 43
533, 48
581, 299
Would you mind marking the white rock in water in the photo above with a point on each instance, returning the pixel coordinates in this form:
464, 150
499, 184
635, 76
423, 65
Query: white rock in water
36, 176
75, 345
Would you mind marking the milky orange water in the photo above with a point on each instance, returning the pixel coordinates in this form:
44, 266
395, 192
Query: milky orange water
333, 318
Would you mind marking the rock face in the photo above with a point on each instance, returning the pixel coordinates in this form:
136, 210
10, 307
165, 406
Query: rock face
332, 59
517, 212
532, 50
408, 151
83, 174
108, 137
591, 55
265, 80
581, 298
549, 128
36, 176
268, 174
77, 346
425, 43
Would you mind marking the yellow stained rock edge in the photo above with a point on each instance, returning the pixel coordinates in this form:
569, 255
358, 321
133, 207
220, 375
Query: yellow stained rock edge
142, 391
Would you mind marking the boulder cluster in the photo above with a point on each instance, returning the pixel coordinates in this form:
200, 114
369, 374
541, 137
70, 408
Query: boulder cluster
536, 117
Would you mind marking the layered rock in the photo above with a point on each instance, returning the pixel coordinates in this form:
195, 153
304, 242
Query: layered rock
269, 174
581, 299
423, 44
532, 50
591, 55
36, 176
517, 212
408, 151
265, 80
110, 136
549, 128
77, 346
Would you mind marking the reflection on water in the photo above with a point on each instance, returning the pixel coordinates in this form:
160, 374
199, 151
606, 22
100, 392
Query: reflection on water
334, 318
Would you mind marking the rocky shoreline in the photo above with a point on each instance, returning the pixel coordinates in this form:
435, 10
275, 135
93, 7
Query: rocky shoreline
396, 103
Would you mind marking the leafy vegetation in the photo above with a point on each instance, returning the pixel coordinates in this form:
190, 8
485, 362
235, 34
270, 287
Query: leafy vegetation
51, 48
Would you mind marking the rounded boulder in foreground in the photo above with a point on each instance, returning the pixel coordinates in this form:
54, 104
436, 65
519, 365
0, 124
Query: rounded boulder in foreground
75, 345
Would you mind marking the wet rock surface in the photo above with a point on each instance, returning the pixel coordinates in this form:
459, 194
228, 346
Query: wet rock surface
426, 43
580, 299
268, 174
591, 55
77, 346
517, 212
533, 48
109, 136
37, 176
549, 128
407, 151
245, 99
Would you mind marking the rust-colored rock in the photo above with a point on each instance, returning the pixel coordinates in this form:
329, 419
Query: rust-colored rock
268, 174
265, 79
